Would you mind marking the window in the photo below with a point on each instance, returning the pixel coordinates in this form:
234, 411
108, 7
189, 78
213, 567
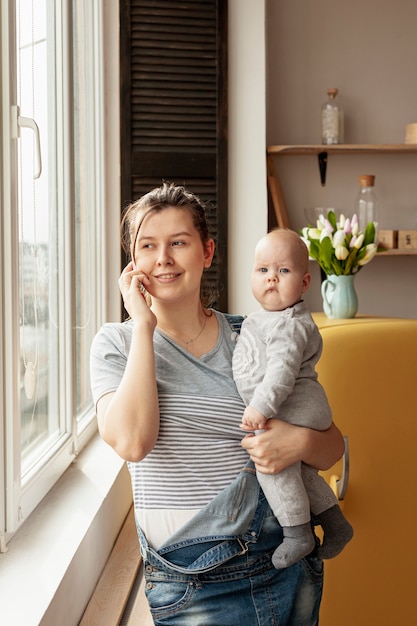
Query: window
51, 251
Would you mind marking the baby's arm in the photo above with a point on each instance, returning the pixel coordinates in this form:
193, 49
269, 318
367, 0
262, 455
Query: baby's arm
253, 419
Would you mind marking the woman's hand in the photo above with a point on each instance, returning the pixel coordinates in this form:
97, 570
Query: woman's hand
128, 418
137, 301
282, 444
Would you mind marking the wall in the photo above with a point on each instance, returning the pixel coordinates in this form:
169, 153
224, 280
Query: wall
367, 49
247, 169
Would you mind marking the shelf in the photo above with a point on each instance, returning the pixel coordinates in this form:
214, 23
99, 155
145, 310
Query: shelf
346, 148
322, 152
398, 252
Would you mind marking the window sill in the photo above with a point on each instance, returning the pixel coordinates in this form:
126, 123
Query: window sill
55, 559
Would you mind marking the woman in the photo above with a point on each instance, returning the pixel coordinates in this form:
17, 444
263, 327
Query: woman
167, 403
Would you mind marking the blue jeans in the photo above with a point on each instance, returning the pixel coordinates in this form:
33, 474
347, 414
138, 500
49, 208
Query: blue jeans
218, 569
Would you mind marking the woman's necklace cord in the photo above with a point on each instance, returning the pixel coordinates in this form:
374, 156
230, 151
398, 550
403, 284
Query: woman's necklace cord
187, 342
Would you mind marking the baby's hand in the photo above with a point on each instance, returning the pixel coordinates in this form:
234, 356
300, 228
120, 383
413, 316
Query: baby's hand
252, 419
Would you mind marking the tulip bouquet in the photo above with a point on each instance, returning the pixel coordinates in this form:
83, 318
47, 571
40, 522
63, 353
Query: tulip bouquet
338, 246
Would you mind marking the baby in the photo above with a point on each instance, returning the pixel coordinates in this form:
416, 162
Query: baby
274, 369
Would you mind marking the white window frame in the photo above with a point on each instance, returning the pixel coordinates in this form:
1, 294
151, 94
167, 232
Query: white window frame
19, 498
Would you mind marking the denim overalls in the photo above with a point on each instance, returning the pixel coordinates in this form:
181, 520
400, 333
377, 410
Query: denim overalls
217, 570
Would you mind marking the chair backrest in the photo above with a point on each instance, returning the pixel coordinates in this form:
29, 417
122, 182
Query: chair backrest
369, 371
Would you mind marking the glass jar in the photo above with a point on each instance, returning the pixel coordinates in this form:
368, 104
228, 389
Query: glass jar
332, 119
366, 201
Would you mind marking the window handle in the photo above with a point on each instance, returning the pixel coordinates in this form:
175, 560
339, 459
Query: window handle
18, 122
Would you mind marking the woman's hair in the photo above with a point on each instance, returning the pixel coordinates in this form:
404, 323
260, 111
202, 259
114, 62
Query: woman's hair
167, 196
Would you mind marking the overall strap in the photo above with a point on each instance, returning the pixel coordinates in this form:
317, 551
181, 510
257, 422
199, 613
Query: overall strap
235, 321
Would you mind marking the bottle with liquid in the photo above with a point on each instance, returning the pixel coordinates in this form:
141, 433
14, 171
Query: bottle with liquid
366, 201
332, 119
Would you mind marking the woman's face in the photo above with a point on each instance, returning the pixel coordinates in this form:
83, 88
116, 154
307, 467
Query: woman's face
169, 251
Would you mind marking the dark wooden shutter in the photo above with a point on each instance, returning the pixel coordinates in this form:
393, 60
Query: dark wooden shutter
174, 107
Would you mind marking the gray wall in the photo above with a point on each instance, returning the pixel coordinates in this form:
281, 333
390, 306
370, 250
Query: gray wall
368, 49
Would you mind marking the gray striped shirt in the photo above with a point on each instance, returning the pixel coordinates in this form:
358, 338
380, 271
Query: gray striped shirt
198, 451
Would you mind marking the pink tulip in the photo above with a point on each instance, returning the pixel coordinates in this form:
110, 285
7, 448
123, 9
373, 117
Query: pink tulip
328, 226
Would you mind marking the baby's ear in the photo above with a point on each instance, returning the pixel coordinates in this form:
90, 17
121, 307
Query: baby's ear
306, 282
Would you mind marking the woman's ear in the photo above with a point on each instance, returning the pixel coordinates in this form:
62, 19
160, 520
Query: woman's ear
209, 248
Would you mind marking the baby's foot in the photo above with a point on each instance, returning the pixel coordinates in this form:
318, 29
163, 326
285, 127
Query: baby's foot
337, 532
297, 543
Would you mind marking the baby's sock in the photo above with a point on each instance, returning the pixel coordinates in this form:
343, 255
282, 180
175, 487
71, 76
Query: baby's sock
298, 542
337, 532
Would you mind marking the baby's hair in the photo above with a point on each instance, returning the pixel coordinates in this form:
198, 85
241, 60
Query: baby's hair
298, 243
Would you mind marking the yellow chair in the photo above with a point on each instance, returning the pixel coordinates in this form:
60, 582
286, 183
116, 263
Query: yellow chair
369, 371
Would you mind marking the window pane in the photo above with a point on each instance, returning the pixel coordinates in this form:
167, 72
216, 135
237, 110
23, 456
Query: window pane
39, 287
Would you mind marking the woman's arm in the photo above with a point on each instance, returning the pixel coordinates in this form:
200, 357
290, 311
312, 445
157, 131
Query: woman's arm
128, 419
283, 444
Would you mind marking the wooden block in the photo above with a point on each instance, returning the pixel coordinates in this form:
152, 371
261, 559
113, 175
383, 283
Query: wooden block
109, 599
407, 239
388, 239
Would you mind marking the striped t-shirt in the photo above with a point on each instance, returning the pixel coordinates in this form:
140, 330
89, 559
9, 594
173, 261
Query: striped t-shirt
198, 452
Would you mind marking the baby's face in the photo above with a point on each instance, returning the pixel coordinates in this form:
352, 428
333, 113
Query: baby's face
279, 276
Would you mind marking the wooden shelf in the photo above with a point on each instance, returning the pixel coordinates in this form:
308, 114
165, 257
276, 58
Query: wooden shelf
398, 252
346, 148
323, 152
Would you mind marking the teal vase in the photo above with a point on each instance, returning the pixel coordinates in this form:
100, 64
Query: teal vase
339, 296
